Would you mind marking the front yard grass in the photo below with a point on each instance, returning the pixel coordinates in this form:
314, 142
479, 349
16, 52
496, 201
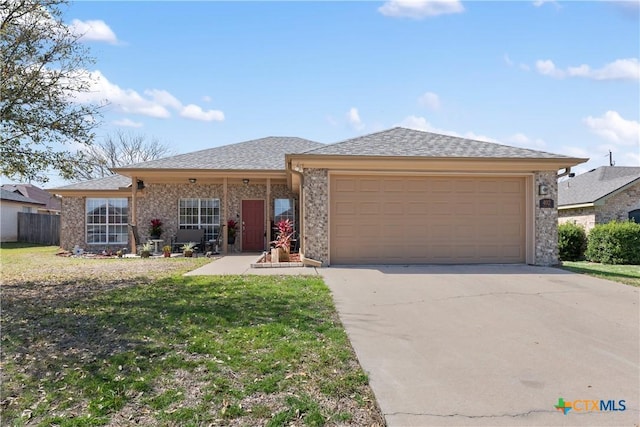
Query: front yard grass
628, 274
85, 343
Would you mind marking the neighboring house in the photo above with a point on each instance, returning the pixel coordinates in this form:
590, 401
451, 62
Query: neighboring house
12, 203
51, 203
398, 196
600, 196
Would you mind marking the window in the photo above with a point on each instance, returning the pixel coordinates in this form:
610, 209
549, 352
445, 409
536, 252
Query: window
284, 209
27, 209
200, 213
107, 221
635, 216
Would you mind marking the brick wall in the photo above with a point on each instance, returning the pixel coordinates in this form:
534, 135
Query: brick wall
616, 207
585, 217
161, 201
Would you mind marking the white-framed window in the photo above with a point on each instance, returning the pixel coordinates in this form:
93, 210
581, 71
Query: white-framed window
107, 221
27, 209
284, 209
200, 213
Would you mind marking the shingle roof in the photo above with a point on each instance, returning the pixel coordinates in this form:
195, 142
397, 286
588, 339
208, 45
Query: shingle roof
592, 186
36, 193
16, 197
404, 142
112, 182
258, 154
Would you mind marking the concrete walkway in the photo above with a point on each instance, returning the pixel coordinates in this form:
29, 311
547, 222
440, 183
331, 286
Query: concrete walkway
241, 264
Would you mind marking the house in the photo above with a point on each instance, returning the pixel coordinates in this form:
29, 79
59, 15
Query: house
398, 196
11, 204
600, 196
50, 203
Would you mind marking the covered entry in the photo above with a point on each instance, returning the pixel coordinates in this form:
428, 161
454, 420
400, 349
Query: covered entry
389, 219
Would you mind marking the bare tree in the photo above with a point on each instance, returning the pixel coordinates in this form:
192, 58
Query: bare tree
43, 67
119, 149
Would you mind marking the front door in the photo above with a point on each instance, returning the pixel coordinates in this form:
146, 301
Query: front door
253, 225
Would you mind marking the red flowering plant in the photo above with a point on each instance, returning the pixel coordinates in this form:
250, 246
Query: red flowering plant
156, 228
284, 229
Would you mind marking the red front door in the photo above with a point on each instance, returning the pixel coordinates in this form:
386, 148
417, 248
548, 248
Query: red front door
253, 225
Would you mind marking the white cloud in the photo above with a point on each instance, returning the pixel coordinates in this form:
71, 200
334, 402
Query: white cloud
195, 112
430, 100
613, 127
418, 9
128, 123
420, 123
522, 140
620, 69
353, 118
538, 3
93, 30
206, 98
152, 103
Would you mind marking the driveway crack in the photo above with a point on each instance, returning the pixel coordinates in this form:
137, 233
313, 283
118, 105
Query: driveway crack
504, 293
517, 415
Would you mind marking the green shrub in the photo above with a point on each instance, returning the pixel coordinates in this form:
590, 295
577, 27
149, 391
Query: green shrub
572, 241
614, 243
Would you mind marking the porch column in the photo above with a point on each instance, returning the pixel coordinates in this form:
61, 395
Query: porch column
268, 215
223, 228
134, 200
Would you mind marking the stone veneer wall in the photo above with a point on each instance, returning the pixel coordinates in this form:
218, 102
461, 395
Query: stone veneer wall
316, 214
161, 201
72, 223
546, 221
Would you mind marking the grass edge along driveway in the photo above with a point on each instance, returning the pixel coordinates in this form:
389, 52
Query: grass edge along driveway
225, 350
627, 274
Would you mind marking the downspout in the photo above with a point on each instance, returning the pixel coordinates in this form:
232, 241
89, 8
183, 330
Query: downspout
301, 176
567, 171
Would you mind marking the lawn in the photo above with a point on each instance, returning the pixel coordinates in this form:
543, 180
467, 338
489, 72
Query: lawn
628, 274
132, 341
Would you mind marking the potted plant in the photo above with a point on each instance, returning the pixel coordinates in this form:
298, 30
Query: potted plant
283, 239
187, 249
232, 229
119, 253
155, 230
145, 251
166, 250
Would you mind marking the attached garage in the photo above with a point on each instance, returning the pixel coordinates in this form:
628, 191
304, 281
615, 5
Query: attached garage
403, 196
427, 219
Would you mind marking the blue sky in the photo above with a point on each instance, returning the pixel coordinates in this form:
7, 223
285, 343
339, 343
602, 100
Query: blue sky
555, 76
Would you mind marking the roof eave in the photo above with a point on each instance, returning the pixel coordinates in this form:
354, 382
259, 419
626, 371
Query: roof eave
435, 163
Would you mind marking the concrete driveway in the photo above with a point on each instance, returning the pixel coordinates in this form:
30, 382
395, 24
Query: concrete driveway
492, 345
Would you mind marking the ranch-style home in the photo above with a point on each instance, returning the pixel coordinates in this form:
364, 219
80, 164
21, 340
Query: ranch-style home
398, 196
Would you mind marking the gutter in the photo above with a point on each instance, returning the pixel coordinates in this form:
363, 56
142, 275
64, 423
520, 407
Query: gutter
567, 171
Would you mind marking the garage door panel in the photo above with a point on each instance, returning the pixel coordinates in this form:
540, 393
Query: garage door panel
401, 220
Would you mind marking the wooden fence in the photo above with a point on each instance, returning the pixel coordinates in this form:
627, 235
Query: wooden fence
43, 229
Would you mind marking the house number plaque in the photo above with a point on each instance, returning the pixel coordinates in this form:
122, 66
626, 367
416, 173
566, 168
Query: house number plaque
546, 203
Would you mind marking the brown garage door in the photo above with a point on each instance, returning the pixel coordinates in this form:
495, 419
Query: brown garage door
415, 220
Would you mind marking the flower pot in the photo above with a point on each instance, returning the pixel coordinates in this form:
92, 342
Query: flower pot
283, 255
231, 240
188, 254
145, 254
167, 254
